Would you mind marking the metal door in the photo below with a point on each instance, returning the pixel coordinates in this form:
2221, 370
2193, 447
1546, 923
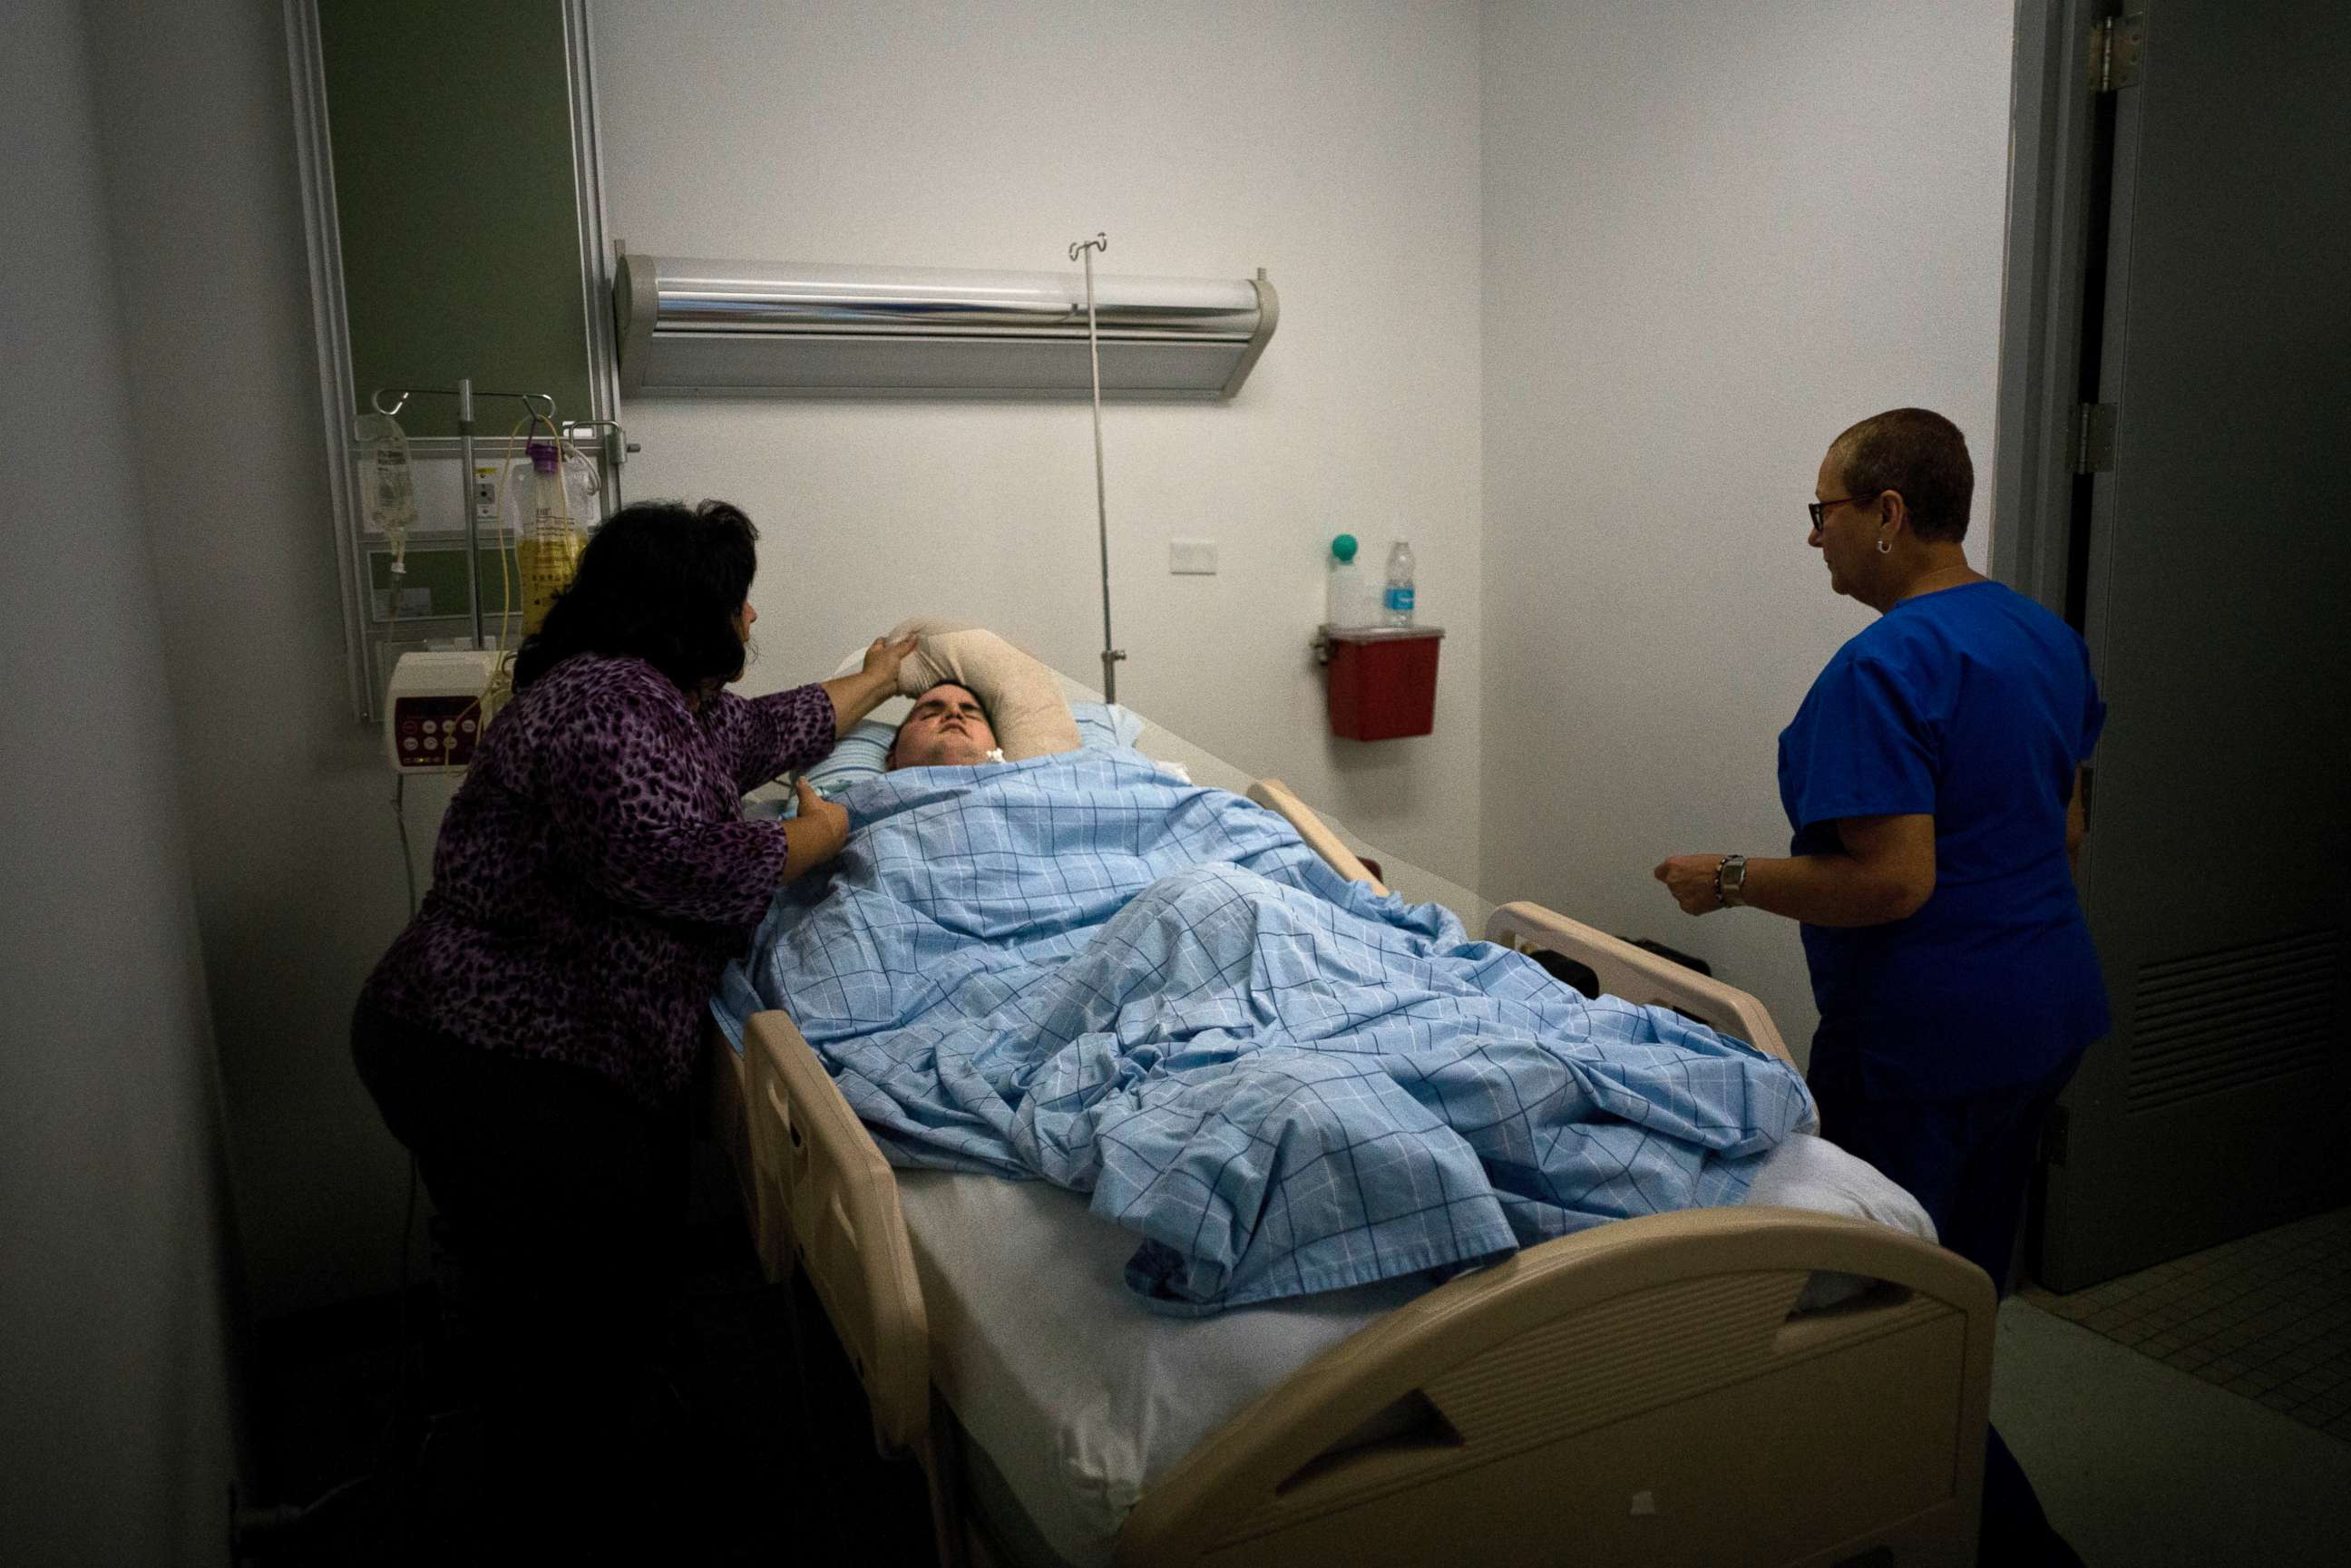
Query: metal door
2209, 562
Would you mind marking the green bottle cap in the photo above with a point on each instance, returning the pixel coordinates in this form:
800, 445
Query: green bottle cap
1344, 547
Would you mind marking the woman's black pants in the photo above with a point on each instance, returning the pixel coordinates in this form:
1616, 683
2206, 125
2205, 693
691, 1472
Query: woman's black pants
563, 1199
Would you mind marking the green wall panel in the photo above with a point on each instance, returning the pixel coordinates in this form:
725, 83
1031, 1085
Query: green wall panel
451, 122
435, 584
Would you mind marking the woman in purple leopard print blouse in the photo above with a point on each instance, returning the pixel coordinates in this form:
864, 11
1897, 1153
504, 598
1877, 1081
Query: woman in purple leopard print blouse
531, 1035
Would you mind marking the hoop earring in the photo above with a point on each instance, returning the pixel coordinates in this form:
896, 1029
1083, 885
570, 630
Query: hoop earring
1884, 548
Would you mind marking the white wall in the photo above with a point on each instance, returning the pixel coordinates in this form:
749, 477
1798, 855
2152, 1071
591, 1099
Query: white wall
1337, 148
117, 1440
298, 885
1716, 234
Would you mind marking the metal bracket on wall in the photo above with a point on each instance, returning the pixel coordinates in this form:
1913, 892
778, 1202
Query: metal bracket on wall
611, 446
2116, 45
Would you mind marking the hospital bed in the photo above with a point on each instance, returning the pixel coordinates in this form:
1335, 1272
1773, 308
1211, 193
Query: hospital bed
1759, 1384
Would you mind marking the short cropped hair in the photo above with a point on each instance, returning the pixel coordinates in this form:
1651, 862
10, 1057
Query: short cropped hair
1919, 452
978, 700
890, 758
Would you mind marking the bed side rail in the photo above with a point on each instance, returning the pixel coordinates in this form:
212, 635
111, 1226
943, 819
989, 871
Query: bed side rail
1276, 796
723, 1087
1639, 1389
1637, 976
825, 1189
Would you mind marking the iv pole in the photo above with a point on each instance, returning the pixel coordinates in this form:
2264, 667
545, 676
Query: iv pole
1111, 653
463, 393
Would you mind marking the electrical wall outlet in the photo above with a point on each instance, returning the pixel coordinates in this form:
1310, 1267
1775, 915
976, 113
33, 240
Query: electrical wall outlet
1192, 558
486, 494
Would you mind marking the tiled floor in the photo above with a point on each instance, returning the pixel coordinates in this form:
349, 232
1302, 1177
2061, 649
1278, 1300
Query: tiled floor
2142, 1465
2268, 1317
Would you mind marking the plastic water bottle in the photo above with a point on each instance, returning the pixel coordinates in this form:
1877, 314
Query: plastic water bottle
1396, 603
1346, 600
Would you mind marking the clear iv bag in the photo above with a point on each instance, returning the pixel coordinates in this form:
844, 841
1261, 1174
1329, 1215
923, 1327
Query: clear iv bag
387, 483
581, 496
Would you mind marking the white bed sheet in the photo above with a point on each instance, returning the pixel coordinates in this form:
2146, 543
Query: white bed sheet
1082, 1396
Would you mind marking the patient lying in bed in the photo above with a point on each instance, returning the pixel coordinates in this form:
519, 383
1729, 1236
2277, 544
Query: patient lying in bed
946, 729
1075, 968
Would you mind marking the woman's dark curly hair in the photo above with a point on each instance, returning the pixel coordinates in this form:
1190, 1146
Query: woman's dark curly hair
660, 581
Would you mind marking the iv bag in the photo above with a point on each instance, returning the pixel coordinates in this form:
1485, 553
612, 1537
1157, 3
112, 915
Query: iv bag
581, 492
546, 509
387, 485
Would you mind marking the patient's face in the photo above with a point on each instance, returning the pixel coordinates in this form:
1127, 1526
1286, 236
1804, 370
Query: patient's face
946, 730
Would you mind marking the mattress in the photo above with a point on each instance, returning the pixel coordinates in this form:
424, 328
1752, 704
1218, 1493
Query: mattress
1081, 1397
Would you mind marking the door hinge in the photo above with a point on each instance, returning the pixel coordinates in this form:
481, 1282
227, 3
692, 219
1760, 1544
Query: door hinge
2117, 45
2052, 1135
2093, 438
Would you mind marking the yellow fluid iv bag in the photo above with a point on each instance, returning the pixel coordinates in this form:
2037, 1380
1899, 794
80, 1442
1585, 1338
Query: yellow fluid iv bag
547, 553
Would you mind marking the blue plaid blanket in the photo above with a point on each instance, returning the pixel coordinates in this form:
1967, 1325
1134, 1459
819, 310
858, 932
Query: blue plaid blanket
1078, 970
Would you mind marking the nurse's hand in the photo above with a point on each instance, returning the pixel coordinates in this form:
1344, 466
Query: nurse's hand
1690, 879
819, 832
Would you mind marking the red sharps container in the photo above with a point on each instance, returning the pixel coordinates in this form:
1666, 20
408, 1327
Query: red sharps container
1383, 680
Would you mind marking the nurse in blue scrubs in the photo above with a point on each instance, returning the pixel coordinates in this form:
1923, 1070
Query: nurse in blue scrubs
1932, 782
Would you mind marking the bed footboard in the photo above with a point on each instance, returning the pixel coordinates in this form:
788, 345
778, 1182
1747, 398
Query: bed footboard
1636, 1393
1637, 976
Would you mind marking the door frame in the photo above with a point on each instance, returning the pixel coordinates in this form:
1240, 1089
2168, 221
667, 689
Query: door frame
2035, 436
2053, 150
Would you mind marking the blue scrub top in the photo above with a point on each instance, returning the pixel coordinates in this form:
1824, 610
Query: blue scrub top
1973, 704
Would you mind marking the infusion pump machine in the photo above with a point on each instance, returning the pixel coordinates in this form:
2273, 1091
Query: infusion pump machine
437, 707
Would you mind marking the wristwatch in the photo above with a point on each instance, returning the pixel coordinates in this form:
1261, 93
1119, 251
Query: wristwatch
1731, 882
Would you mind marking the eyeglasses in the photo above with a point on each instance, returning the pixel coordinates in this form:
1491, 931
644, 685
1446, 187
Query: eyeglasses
1820, 509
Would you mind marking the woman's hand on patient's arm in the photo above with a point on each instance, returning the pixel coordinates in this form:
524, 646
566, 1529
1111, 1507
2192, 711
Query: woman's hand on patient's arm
854, 697
817, 834
1885, 873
